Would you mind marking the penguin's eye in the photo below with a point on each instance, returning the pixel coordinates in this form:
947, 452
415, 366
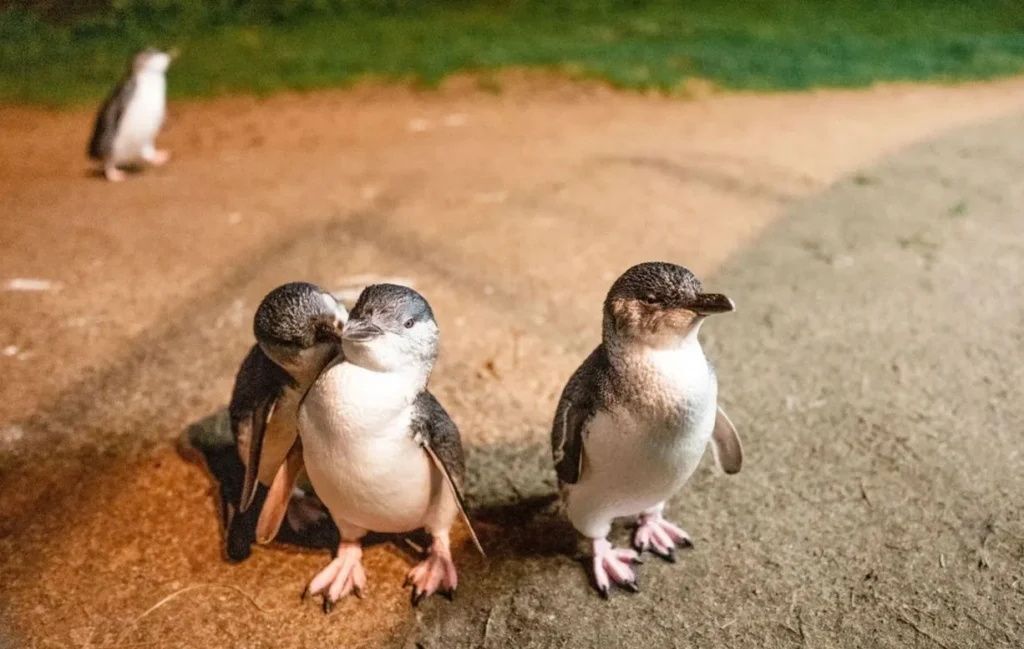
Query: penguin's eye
649, 299
409, 323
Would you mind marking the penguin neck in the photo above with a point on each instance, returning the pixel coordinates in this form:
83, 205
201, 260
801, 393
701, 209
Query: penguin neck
624, 344
659, 363
666, 379
305, 365
405, 372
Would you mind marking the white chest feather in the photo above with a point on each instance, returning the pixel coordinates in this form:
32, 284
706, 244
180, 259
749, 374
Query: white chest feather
358, 451
679, 376
142, 118
638, 454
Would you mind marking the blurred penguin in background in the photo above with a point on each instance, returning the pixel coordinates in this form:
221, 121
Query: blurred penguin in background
131, 117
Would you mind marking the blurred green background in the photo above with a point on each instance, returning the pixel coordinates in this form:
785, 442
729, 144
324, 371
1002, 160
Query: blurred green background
65, 52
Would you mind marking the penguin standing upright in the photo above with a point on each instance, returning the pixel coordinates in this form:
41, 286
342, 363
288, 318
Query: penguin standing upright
130, 118
635, 419
298, 332
381, 452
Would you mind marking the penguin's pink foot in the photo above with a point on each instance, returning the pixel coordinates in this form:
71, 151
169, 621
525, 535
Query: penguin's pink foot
113, 174
342, 576
614, 565
434, 574
661, 537
160, 157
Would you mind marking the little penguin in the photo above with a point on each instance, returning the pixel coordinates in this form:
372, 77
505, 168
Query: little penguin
380, 451
131, 116
298, 332
636, 417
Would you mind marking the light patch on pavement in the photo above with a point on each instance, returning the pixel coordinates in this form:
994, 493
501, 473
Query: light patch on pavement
236, 315
419, 125
456, 119
11, 434
30, 285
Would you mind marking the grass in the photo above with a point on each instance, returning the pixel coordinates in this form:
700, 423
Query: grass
744, 44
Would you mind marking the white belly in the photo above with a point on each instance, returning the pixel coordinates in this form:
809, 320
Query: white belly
636, 460
359, 455
142, 118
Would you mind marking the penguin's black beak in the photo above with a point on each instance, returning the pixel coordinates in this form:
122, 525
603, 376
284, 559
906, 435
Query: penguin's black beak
711, 304
360, 331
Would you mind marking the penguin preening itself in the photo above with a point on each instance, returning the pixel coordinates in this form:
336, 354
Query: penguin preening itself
132, 115
635, 419
380, 451
298, 332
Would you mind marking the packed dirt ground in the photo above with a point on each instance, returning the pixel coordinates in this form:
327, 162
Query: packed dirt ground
871, 239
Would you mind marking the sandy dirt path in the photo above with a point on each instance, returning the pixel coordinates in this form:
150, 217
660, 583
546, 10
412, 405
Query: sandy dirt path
512, 213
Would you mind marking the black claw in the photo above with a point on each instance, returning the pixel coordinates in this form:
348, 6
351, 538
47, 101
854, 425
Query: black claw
305, 593
686, 543
669, 556
631, 587
328, 605
408, 580
418, 597
358, 592
449, 594
603, 592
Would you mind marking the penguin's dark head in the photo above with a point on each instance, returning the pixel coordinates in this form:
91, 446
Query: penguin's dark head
152, 60
294, 321
659, 303
391, 328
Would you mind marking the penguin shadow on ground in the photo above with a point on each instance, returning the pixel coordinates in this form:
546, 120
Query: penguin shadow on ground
509, 525
208, 443
132, 170
513, 501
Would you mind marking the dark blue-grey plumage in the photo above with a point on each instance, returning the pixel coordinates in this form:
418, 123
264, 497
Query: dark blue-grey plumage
391, 306
104, 131
258, 384
440, 438
587, 392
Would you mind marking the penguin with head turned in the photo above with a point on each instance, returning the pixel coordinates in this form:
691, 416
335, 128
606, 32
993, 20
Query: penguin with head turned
298, 332
635, 419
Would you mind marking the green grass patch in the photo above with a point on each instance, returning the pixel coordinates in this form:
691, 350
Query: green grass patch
262, 46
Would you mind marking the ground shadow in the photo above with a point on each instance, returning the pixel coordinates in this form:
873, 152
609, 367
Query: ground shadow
523, 526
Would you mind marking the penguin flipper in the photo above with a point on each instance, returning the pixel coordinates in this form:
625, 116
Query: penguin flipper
256, 428
276, 505
583, 395
109, 118
727, 447
435, 431
567, 441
